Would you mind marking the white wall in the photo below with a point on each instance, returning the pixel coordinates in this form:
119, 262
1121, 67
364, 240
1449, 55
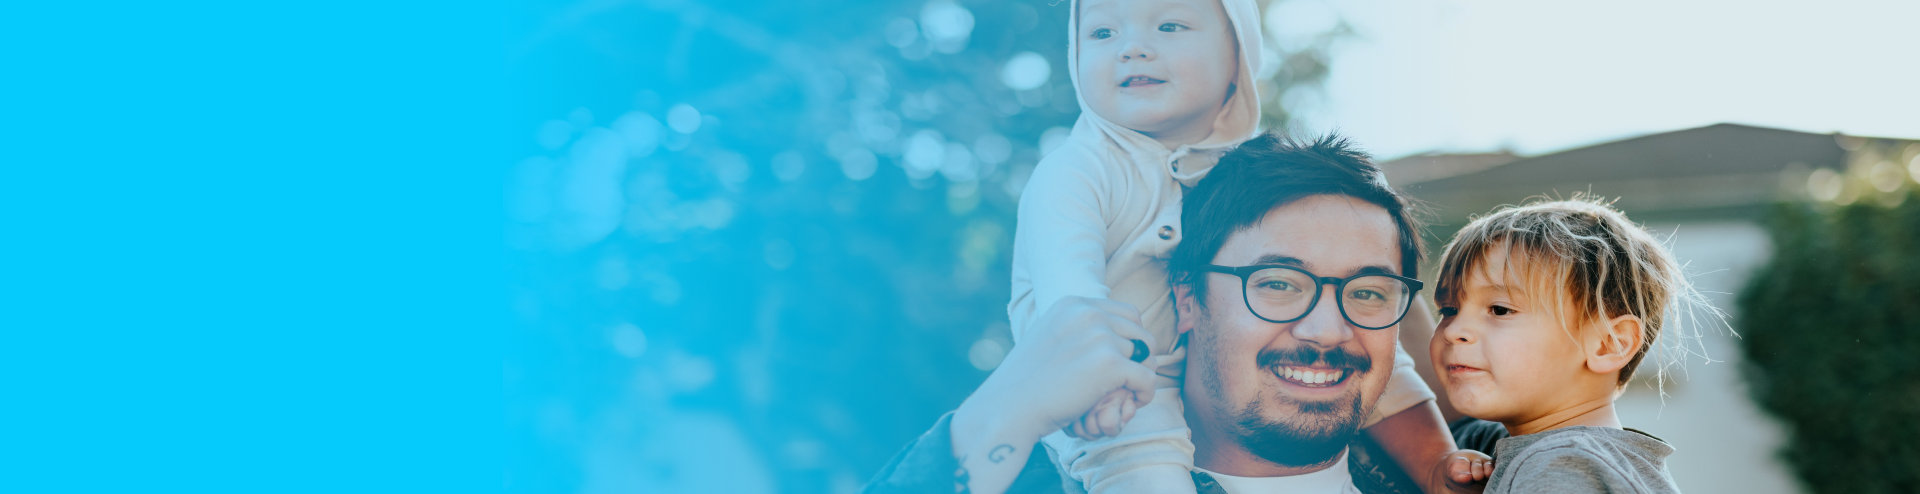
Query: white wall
1723, 442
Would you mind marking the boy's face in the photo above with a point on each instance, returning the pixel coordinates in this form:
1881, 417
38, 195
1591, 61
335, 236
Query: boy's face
1161, 67
1501, 353
1259, 384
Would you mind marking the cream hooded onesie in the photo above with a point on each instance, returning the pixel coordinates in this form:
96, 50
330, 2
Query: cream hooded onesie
1098, 219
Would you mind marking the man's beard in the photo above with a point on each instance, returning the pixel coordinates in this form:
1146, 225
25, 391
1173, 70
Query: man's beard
1318, 430
1318, 434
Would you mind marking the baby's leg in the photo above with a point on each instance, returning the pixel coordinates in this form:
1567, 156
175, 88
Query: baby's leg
1152, 454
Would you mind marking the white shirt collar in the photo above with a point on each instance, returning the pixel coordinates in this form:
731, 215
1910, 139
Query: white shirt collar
1333, 479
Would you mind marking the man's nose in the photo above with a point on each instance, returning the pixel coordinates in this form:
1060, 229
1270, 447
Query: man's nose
1324, 326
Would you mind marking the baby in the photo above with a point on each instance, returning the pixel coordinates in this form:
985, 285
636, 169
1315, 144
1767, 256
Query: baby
1546, 311
1165, 87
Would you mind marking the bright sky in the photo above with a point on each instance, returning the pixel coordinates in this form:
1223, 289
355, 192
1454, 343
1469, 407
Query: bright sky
1539, 76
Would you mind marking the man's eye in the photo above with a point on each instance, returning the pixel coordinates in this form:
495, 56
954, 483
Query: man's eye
1102, 33
1449, 311
1500, 311
1277, 285
1171, 27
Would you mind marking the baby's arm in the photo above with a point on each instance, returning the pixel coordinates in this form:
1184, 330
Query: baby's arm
1060, 250
1059, 239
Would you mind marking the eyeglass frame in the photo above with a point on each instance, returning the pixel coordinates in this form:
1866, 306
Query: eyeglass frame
1245, 273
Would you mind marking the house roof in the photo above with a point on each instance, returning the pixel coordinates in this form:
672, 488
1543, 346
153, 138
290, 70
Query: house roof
1434, 166
1716, 166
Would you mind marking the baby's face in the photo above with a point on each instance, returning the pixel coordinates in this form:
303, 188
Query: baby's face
1499, 352
1160, 67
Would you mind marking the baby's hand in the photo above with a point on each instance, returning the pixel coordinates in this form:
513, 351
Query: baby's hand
1467, 470
1106, 417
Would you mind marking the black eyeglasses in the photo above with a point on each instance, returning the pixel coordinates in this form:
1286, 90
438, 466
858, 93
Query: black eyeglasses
1280, 294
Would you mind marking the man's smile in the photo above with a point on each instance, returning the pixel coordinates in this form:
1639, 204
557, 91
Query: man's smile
1313, 377
1315, 383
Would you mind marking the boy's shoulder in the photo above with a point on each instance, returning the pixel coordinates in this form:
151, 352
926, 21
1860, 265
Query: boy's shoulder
1573, 458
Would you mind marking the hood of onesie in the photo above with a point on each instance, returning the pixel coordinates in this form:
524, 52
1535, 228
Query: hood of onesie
1238, 121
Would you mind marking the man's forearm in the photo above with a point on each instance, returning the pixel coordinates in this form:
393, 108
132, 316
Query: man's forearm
1417, 439
990, 452
1416, 333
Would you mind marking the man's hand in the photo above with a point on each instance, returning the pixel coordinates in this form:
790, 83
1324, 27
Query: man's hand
1080, 352
1106, 418
1467, 470
1078, 358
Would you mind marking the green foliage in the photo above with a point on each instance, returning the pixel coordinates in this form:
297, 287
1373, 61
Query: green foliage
1832, 338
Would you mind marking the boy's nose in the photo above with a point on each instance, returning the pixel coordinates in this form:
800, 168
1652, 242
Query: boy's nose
1452, 331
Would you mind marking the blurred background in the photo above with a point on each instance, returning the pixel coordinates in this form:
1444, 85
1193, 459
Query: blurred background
759, 246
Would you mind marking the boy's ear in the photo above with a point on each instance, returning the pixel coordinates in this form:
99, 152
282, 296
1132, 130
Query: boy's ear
1185, 310
1619, 339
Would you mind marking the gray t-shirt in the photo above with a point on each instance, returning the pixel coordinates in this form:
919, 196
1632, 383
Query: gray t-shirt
1581, 459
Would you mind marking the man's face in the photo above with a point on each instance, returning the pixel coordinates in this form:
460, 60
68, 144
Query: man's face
1290, 394
1161, 67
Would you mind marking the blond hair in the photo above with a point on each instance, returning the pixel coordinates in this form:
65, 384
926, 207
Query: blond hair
1584, 254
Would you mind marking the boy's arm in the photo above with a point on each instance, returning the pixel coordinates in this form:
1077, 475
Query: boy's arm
1059, 240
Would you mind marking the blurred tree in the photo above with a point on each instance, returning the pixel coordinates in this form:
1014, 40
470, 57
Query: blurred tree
1832, 328
792, 215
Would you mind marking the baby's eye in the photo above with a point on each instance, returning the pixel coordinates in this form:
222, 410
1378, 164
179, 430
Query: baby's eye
1171, 27
1449, 311
1102, 33
1500, 310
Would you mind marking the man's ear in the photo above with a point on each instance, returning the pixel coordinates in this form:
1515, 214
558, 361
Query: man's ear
1618, 341
1185, 309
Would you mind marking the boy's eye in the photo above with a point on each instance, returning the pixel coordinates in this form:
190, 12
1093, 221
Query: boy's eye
1102, 33
1171, 27
1500, 311
1449, 311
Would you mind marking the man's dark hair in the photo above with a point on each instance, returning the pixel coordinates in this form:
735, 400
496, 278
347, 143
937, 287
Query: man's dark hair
1271, 171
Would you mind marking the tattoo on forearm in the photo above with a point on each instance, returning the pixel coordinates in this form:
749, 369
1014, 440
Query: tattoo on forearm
999, 453
960, 477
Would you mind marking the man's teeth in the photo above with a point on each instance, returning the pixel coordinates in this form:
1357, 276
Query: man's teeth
1312, 376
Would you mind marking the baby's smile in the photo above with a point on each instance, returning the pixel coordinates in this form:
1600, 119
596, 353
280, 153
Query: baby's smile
1140, 80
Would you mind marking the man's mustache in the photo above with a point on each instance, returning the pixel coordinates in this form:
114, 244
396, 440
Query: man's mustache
1305, 355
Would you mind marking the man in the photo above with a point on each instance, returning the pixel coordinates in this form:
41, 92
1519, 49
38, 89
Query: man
1289, 288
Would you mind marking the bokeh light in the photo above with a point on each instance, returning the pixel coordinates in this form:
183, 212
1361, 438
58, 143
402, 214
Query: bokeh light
1026, 70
